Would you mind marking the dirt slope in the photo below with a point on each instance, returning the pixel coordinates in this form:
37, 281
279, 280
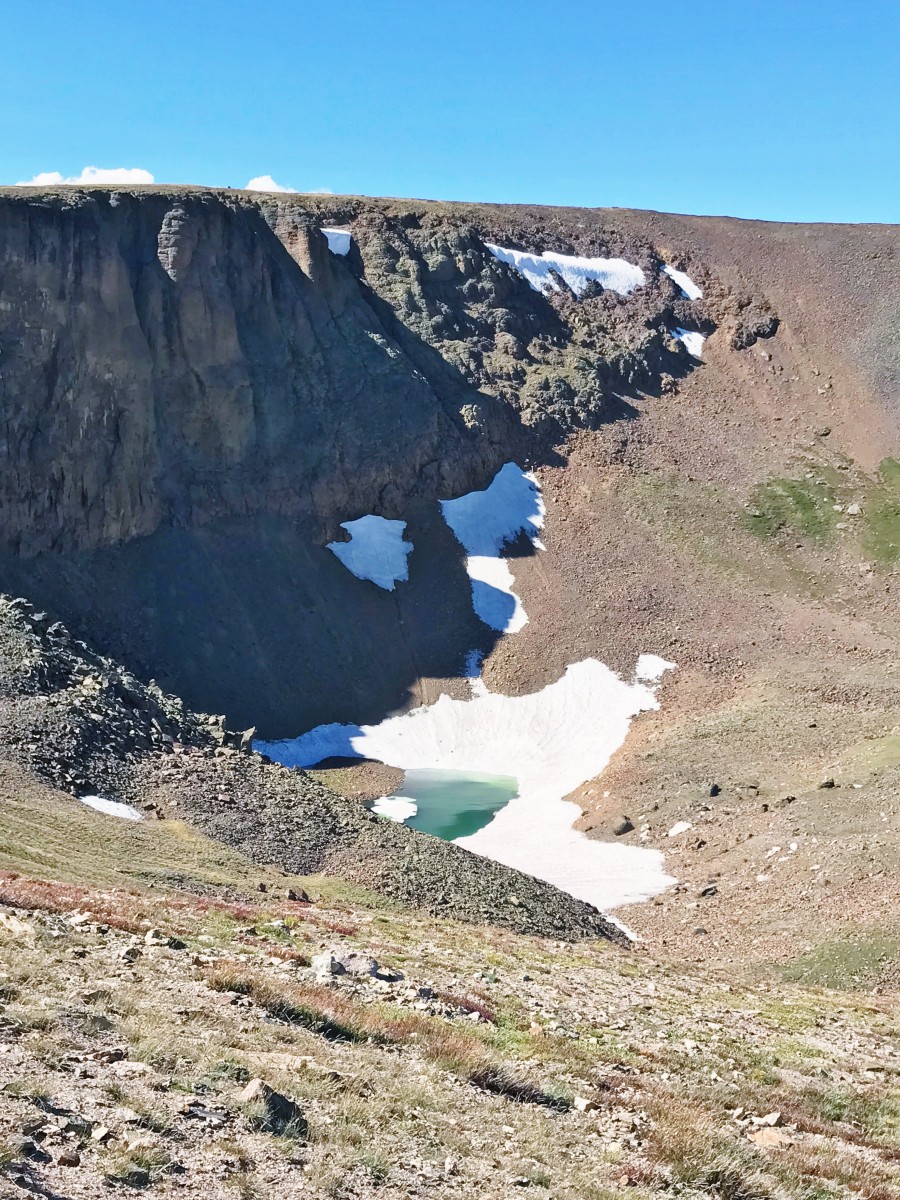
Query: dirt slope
148, 975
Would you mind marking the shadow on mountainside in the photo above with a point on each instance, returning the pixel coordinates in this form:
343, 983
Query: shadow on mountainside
251, 618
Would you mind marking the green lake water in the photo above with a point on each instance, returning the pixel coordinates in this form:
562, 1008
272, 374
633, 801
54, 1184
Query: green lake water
452, 804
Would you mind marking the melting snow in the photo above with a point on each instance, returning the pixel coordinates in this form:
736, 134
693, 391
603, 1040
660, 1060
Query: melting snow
689, 289
338, 240
679, 827
484, 522
651, 668
614, 274
551, 741
472, 671
376, 550
112, 808
396, 808
692, 341
493, 597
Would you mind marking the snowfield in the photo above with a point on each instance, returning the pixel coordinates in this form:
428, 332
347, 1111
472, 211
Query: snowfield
613, 274
376, 550
485, 522
551, 742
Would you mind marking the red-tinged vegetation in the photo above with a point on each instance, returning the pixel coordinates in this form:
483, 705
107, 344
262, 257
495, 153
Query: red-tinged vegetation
338, 927
116, 909
471, 1003
130, 911
275, 949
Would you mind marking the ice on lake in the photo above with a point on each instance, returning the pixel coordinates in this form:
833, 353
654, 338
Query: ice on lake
448, 804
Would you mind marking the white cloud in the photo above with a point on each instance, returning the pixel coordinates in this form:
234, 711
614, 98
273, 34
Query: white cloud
265, 183
127, 176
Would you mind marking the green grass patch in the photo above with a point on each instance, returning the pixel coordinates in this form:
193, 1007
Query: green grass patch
48, 835
882, 515
806, 506
889, 474
846, 963
870, 1116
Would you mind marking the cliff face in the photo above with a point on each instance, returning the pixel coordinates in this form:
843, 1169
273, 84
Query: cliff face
169, 361
167, 358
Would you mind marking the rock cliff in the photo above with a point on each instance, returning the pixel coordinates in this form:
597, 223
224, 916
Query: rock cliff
171, 357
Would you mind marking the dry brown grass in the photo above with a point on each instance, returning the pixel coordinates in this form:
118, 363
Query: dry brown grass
134, 912
360, 1061
865, 1175
694, 1151
471, 1003
337, 1017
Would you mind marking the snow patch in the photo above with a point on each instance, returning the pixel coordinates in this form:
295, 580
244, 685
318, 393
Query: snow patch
651, 668
338, 240
493, 597
693, 341
689, 289
112, 808
485, 522
613, 274
376, 550
679, 827
472, 672
551, 741
395, 808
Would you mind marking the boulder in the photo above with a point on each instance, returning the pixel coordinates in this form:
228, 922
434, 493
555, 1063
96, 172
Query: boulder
325, 966
280, 1112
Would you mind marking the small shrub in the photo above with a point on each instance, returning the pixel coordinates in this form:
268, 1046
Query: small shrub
470, 1004
228, 1069
138, 1168
243, 1183
376, 1165
9, 1154
28, 1089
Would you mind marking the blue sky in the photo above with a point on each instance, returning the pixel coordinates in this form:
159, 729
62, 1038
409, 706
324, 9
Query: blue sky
787, 111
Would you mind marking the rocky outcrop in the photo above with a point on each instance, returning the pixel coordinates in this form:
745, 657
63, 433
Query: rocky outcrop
171, 357
167, 361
